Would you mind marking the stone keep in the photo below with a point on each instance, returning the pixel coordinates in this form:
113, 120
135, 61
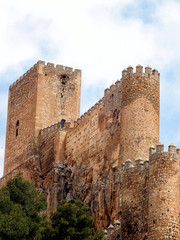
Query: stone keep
102, 157
42, 96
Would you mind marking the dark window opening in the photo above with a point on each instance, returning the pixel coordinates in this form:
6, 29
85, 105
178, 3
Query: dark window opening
62, 123
63, 77
112, 95
61, 95
16, 132
45, 74
17, 123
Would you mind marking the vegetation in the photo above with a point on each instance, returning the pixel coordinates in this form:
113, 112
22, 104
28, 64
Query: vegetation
71, 221
20, 207
21, 216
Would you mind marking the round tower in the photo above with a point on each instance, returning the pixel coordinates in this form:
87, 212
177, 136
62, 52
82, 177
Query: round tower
164, 203
139, 112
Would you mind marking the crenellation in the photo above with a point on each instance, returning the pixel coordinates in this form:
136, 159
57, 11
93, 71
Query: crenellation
129, 71
31, 71
106, 92
152, 150
124, 73
50, 65
139, 163
148, 70
155, 74
139, 70
160, 148
94, 157
112, 87
149, 73
118, 84
128, 164
172, 148
68, 69
59, 68
146, 164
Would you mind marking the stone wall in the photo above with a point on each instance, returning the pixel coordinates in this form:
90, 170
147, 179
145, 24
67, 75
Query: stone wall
44, 95
87, 158
21, 120
123, 124
164, 195
143, 197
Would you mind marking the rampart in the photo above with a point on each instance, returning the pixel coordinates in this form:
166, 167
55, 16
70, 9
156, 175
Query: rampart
88, 157
110, 132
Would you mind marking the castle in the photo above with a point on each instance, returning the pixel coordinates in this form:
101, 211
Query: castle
110, 157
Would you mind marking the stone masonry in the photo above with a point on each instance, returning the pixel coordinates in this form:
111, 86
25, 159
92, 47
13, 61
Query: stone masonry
104, 157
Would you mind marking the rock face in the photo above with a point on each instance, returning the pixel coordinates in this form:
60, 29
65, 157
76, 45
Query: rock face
95, 158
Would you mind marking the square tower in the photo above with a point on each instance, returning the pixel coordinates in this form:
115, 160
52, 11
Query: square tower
46, 94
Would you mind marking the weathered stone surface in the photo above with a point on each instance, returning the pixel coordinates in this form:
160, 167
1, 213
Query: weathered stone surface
101, 158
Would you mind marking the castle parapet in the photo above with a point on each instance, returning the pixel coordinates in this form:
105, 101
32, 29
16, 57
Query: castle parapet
172, 149
58, 69
41, 67
138, 166
149, 73
139, 163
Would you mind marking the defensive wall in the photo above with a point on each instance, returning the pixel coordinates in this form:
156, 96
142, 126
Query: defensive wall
123, 124
88, 157
142, 195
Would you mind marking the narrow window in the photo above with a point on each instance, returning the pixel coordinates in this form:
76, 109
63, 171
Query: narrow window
16, 132
62, 123
17, 123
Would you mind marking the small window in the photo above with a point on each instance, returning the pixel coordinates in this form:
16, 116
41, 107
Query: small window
16, 132
62, 123
17, 123
63, 77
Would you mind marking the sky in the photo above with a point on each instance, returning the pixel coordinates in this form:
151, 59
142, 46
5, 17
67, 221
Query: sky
100, 37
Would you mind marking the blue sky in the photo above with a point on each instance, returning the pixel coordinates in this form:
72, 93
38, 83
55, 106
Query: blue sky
101, 38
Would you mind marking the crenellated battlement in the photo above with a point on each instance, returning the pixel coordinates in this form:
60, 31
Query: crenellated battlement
33, 69
88, 112
44, 130
129, 72
148, 73
139, 165
53, 129
42, 68
172, 149
112, 88
59, 69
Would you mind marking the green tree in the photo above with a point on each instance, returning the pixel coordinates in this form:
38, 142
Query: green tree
20, 207
71, 221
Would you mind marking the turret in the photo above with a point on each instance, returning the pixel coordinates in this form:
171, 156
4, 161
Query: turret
139, 112
164, 204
